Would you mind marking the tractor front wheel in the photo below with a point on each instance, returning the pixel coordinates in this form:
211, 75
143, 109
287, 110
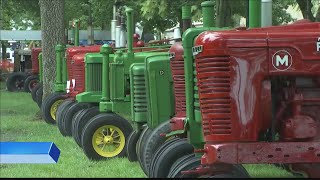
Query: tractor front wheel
39, 94
131, 146
60, 114
166, 156
50, 106
34, 91
30, 82
67, 117
15, 81
140, 144
153, 142
185, 163
104, 136
80, 119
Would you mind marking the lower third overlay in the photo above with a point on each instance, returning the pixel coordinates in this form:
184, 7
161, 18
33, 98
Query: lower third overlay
28, 153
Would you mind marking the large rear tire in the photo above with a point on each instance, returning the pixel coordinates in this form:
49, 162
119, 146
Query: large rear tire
30, 83
104, 136
50, 106
15, 81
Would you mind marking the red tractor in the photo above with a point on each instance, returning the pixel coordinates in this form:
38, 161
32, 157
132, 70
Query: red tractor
6, 67
75, 71
259, 97
33, 78
257, 94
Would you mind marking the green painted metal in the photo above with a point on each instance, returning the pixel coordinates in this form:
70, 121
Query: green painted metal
59, 84
186, 12
254, 13
76, 34
208, 13
105, 50
138, 95
130, 26
40, 67
89, 97
64, 71
159, 85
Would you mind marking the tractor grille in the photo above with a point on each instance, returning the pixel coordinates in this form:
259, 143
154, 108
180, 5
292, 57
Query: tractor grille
214, 90
139, 94
78, 75
177, 69
94, 77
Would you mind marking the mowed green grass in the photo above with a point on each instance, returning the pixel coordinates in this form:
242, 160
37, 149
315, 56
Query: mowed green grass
18, 122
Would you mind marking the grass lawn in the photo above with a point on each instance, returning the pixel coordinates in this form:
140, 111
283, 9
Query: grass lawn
18, 122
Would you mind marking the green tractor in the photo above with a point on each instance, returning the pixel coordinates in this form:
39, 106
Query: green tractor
158, 99
68, 71
108, 89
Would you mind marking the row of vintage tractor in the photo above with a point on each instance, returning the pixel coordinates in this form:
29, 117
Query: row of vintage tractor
202, 107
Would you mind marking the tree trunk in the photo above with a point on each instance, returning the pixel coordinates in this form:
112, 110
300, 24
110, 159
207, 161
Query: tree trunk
305, 7
90, 25
318, 15
224, 14
52, 34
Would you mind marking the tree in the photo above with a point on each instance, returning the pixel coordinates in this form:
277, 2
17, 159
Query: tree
52, 33
306, 9
224, 13
20, 14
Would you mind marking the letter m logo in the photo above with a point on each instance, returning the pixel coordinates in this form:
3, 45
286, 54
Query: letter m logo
283, 61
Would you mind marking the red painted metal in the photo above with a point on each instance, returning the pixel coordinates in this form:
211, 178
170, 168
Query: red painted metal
78, 50
35, 62
5, 67
235, 69
262, 152
177, 70
75, 66
78, 74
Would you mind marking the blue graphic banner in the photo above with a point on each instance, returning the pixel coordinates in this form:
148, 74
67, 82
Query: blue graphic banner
28, 152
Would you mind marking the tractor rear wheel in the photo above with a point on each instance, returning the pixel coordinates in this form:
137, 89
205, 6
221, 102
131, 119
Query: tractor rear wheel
80, 119
15, 81
34, 91
30, 82
104, 136
131, 146
163, 161
50, 106
60, 113
67, 117
153, 142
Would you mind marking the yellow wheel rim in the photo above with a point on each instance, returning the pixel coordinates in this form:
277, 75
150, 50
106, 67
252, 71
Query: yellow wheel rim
108, 141
54, 108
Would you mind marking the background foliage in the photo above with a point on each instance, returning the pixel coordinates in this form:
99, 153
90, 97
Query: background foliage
154, 15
